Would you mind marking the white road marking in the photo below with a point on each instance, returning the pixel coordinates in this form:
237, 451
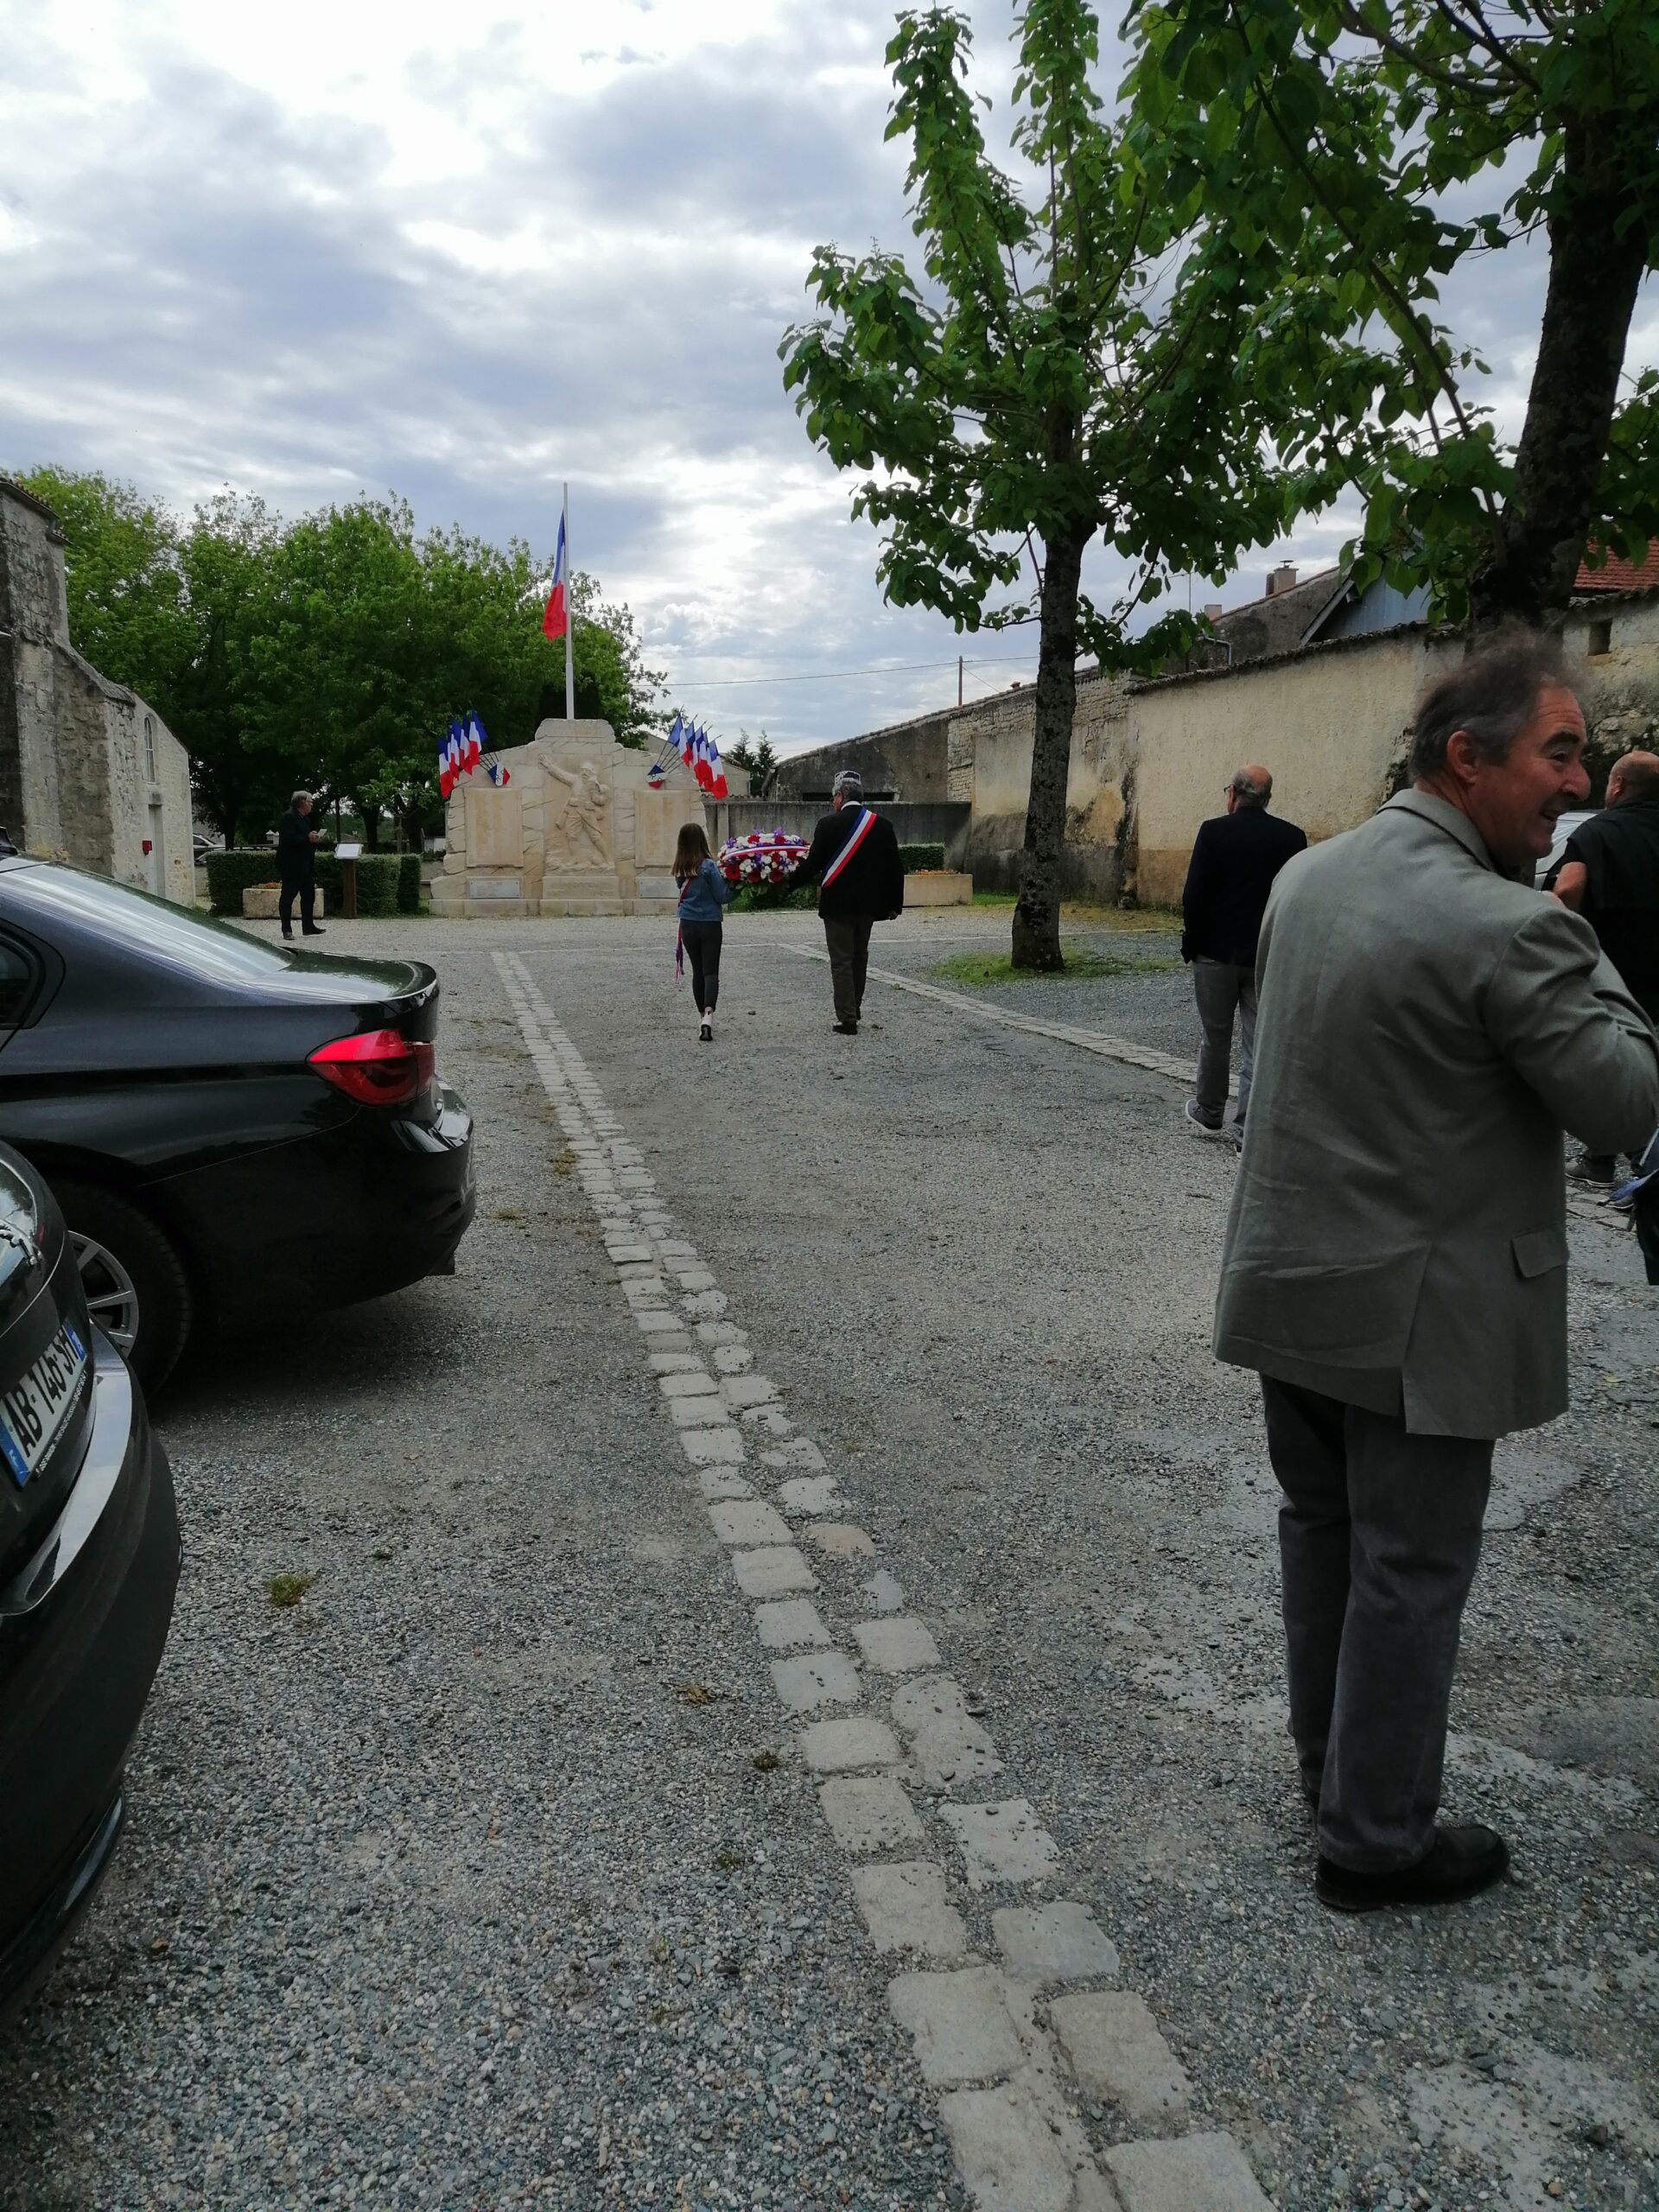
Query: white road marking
1098, 1041
1016, 2136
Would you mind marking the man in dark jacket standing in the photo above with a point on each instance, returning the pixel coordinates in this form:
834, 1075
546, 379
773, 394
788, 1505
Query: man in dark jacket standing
853, 860
1609, 874
1234, 858
297, 862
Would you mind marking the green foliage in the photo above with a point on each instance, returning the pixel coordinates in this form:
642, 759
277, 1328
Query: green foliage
758, 757
327, 652
230, 872
980, 969
773, 898
378, 878
409, 883
1062, 367
1367, 149
911, 857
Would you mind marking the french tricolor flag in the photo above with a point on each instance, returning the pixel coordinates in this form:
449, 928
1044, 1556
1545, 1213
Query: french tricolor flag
554, 618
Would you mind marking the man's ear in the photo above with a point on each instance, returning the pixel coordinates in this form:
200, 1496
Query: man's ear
1462, 760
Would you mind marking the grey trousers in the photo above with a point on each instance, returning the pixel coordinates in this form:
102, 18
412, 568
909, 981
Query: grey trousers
848, 944
1379, 1535
1223, 991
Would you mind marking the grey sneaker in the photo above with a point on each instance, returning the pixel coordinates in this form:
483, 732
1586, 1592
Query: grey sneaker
1199, 1122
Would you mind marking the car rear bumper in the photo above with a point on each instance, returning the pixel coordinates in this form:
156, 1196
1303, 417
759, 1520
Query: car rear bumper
351, 1213
77, 1659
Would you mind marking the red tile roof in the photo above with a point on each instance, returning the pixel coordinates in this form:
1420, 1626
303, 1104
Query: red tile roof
1618, 575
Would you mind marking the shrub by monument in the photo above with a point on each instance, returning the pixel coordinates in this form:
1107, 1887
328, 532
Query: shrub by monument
230, 873
911, 857
377, 883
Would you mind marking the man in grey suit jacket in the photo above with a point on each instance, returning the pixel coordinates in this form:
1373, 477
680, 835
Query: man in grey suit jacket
1395, 1261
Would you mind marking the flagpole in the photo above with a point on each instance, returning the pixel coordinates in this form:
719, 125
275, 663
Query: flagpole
569, 618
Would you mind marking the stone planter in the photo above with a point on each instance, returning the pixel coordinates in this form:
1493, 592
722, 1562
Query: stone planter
938, 886
260, 902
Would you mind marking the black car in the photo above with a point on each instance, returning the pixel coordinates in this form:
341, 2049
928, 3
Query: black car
233, 1128
89, 1562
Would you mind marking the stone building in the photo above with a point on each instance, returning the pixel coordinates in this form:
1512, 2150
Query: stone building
88, 772
1327, 706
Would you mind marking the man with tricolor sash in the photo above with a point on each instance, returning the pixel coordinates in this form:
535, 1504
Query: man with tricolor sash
853, 860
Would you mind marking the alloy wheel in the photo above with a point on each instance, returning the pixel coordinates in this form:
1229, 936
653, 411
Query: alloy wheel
112, 1294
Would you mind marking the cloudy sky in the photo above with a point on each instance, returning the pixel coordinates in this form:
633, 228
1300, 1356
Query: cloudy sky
463, 252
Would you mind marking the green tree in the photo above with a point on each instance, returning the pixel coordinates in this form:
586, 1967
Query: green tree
1062, 372
331, 652
125, 586
241, 757
1370, 149
757, 756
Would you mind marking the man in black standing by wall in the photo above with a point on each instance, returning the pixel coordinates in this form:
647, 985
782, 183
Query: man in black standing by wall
853, 860
1609, 874
296, 861
1235, 858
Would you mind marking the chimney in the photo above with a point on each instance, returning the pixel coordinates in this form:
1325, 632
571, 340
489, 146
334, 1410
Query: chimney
1215, 610
1283, 578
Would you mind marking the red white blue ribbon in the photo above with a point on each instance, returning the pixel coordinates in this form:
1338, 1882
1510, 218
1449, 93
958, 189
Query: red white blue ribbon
861, 829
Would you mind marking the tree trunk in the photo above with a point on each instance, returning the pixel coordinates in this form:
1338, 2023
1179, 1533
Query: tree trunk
1594, 273
371, 826
1036, 911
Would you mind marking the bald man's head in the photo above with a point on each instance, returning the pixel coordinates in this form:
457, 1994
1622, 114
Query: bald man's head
1252, 785
1636, 776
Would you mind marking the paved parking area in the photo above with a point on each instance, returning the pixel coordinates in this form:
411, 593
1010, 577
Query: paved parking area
549, 1848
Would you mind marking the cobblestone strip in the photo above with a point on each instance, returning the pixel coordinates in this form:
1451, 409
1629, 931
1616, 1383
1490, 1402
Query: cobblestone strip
1099, 1041
1011, 2043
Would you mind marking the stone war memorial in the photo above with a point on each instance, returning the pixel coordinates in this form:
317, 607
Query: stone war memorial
574, 829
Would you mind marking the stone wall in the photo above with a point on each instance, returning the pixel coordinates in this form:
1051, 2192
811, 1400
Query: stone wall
907, 759
937, 822
88, 772
989, 762
1150, 759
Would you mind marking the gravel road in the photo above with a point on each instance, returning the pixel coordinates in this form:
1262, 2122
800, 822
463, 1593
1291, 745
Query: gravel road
488, 1874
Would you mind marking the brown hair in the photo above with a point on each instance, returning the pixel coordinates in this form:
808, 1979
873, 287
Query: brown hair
1491, 696
691, 852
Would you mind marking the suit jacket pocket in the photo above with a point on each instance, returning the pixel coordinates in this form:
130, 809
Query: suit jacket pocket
1343, 1316
1539, 1250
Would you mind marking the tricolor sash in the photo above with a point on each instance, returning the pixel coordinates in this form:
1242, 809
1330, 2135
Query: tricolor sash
861, 829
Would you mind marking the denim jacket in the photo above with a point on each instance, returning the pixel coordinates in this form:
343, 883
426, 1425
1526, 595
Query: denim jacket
704, 894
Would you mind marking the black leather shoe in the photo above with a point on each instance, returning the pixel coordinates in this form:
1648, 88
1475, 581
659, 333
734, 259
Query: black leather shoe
1459, 1862
289, 934
311, 930
845, 1028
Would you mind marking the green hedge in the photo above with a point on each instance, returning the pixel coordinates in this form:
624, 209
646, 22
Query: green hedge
409, 883
230, 873
911, 857
772, 898
377, 883
379, 879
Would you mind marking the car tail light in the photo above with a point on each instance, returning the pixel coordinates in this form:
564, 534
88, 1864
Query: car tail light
377, 1067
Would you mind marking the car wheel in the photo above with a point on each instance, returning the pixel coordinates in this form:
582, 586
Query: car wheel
137, 1291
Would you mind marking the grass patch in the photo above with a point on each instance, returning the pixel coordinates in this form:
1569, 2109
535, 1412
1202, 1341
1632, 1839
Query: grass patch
994, 899
694, 1694
766, 1762
288, 1589
505, 1213
565, 1163
728, 1858
978, 969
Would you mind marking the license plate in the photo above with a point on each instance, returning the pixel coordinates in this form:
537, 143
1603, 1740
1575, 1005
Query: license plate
39, 1403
